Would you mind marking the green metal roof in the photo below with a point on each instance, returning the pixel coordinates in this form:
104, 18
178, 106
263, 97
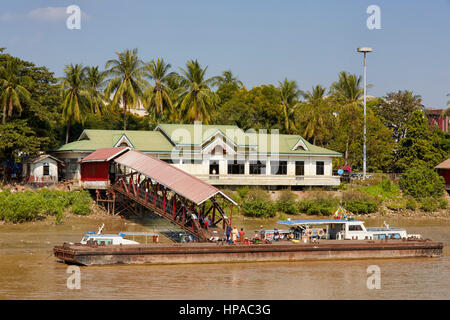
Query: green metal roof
156, 141
176, 131
92, 139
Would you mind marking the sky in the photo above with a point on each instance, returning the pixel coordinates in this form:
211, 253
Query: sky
261, 41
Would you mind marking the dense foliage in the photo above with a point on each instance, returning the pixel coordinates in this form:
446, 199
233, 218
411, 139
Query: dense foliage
29, 205
420, 182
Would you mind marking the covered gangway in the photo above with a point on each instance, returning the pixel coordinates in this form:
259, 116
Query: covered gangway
161, 187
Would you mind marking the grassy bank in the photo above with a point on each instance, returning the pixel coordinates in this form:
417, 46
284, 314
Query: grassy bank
16, 207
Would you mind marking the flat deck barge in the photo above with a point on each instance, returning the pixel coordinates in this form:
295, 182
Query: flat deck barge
159, 253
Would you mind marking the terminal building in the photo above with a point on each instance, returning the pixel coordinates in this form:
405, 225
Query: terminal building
217, 154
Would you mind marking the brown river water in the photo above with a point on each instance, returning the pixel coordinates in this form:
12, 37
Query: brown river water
28, 269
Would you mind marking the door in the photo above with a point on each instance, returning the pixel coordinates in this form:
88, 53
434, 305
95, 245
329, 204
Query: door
214, 167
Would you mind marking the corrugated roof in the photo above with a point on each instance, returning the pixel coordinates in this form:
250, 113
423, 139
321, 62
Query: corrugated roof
179, 181
156, 141
42, 157
93, 139
444, 165
104, 154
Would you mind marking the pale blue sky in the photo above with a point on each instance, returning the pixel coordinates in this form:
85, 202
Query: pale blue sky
261, 41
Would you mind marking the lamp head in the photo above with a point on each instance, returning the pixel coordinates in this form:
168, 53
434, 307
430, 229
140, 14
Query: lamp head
364, 49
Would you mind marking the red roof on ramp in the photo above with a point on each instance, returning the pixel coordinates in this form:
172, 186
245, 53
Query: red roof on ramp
104, 154
171, 177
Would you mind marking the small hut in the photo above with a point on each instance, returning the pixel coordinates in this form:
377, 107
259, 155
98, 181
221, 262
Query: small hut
42, 169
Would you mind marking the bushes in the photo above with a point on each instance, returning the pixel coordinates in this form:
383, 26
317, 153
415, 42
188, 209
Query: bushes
259, 208
287, 206
442, 203
81, 202
319, 207
19, 207
411, 204
29, 205
286, 202
429, 204
360, 206
359, 202
422, 182
242, 192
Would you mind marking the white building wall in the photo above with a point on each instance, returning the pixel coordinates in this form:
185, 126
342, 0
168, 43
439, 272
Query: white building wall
37, 170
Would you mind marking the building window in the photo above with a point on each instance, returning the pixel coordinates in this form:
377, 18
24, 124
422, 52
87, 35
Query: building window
46, 169
168, 161
192, 161
235, 167
299, 168
278, 167
257, 167
320, 168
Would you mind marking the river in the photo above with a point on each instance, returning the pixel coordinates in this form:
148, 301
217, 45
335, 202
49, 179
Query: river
28, 269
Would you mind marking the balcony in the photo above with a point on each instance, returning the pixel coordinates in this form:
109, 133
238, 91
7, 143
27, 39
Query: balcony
269, 180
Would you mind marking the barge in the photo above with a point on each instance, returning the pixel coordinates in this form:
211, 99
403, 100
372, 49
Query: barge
329, 240
158, 253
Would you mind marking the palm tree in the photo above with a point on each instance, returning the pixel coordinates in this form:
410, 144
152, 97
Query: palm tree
126, 82
289, 94
315, 114
197, 100
158, 98
348, 88
348, 92
76, 99
95, 84
11, 92
227, 77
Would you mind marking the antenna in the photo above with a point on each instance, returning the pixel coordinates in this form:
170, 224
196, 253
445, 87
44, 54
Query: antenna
101, 229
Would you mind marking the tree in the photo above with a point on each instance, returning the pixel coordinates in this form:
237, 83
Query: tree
347, 92
76, 99
42, 110
197, 101
95, 84
18, 140
289, 94
396, 108
416, 149
258, 108
227, 78
126, 81
316, 114
422, 182
158, 98
12, 93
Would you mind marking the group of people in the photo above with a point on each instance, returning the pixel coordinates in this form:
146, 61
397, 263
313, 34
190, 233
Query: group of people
233, 235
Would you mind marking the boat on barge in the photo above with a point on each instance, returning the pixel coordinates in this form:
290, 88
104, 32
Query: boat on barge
338, 239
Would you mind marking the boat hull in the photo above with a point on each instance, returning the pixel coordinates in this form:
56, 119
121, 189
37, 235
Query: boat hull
214, 253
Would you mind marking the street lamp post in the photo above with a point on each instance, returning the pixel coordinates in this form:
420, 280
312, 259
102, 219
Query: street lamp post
364, 50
